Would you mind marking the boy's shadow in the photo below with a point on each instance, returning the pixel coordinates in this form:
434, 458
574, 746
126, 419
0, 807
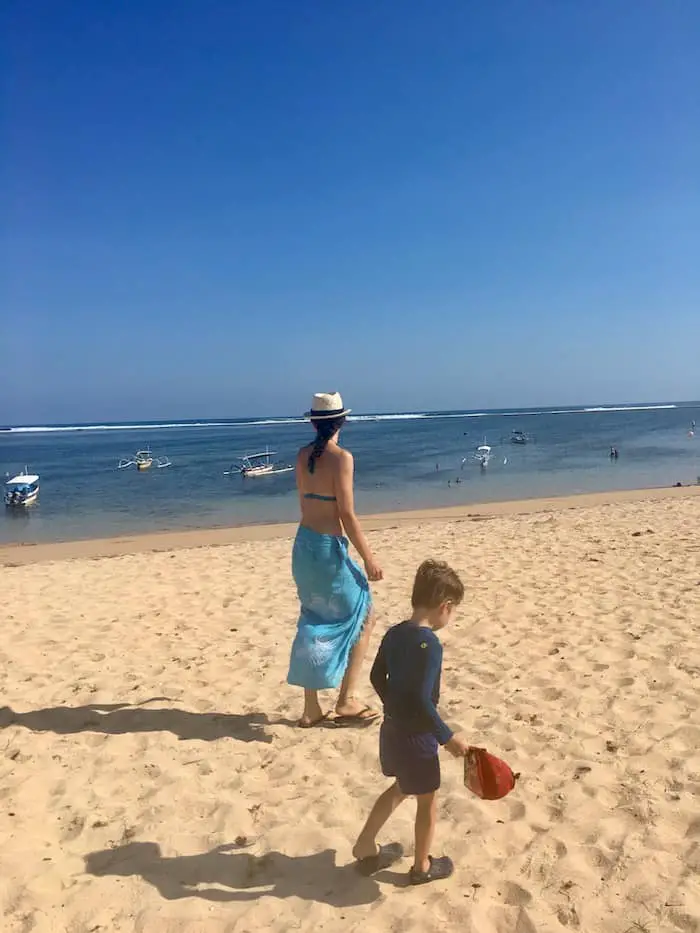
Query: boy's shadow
223, 875
118, 718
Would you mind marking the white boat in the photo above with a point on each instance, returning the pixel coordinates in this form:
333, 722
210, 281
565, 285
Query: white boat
483, 455
260, 464
144, 460
21, 489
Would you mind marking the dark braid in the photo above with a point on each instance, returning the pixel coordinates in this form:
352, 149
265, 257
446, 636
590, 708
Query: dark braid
325, 429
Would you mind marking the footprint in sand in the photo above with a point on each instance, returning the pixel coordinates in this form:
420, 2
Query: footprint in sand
73, 828
58, 789
552, 693
517, 810
568, 917
514, 895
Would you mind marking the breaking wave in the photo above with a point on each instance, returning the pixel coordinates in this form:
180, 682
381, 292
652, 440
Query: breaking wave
261, 422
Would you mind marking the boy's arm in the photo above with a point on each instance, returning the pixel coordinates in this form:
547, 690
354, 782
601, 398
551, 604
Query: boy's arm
431, 671
378, 674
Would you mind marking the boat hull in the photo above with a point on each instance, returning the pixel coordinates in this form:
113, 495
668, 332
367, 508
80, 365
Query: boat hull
256, 471
260, 464
28, 499
251, 474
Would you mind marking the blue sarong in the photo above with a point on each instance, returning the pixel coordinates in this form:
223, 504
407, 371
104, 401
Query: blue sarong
335, 600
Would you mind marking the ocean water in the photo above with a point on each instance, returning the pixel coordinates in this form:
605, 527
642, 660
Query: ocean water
401, 462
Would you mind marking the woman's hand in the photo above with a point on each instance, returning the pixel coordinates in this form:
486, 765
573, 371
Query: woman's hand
373, 570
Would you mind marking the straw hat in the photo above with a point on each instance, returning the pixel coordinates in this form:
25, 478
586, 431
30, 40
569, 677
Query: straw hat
327, 405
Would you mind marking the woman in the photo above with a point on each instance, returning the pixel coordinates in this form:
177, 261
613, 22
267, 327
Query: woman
336, 617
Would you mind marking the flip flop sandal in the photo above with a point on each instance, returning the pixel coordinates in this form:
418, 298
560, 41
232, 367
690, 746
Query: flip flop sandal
440, 868
386, 857
313, 722
357, 720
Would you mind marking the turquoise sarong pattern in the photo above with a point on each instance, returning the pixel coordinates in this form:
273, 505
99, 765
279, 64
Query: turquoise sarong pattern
335, 600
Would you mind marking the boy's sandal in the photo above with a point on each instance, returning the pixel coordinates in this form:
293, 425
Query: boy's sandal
385, 857
440, 868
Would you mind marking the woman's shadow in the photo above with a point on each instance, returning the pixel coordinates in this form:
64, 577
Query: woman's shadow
227, 875
119, 718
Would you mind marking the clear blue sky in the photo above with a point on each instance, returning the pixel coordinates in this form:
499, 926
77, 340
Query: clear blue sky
216, 208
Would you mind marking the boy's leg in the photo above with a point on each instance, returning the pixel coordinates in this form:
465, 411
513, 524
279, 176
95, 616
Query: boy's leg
426, 817
425, 867
366, 845
347, 705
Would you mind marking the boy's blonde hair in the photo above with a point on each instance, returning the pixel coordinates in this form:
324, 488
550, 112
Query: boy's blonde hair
436, 582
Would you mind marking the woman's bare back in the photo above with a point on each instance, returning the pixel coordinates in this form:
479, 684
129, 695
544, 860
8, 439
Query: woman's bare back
318, 491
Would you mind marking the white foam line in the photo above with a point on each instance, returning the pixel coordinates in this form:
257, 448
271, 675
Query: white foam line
42, 429
632, 408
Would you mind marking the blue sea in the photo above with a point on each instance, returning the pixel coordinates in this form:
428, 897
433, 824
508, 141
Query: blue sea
402, 461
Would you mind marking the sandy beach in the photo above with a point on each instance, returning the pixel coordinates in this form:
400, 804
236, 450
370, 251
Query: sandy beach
152, 779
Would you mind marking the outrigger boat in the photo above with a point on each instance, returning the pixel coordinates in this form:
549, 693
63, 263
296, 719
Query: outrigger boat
21, 489
483, 455
260, 464
520, 437
144, 460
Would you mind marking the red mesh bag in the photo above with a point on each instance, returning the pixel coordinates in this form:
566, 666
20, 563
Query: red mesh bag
487, 776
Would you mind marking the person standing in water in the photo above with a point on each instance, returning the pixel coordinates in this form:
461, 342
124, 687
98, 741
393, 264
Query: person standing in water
336, 618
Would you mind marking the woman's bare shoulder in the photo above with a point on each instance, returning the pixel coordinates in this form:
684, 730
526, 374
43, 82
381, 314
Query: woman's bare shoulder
341, 459
338, 453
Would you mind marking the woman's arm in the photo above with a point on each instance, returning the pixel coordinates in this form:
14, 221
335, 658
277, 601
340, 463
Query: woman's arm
346, 509
297, 477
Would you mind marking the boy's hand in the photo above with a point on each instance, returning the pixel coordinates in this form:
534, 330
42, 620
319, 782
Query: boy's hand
458, 746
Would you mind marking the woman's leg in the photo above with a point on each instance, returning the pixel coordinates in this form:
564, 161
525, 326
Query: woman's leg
347, 704
312, 709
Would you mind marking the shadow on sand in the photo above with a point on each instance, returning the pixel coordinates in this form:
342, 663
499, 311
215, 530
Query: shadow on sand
120, 718
226, 875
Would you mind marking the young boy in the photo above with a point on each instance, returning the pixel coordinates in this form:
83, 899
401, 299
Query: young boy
406, 675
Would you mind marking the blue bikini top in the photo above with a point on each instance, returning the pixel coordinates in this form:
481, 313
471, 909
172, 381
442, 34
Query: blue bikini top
315, 495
